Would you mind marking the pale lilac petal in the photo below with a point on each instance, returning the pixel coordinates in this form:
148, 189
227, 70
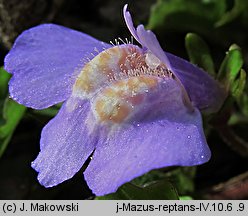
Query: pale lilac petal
204, 92
65, 144
149, 40
168, 135
45, 61
129, 23
145, 37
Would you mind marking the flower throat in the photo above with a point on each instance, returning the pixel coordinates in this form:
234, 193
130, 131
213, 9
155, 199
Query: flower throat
115, 64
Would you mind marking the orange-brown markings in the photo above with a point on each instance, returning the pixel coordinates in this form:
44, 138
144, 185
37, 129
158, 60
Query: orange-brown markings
127, 58
136, 100
105, 56
99, 108
123, 60
109, 92
121, 112
133, 84
126, 93
106, 71
130, 58
117, 115
83, 81
149, 81
103, 62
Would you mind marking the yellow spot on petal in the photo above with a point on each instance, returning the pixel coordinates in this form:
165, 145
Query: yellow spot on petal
83, 82
149, 81
118, 102
115, 114
109, 92
121, 113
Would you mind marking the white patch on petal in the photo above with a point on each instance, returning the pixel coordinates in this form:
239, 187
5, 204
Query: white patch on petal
152, 61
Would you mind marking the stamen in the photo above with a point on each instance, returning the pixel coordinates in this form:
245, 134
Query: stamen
96, 50
117, 42
127, 41
122, 41
115, 64
111, 42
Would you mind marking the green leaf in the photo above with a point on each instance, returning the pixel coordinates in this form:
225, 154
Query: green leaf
185, 15
238, 118
161, 190
183, 179
12, 114
239, 7
4, 79
243, 104
150, 177
50, 112
185, 198
238, 85
230, 66
199, 53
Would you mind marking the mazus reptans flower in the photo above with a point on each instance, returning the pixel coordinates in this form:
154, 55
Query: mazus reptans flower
133, 108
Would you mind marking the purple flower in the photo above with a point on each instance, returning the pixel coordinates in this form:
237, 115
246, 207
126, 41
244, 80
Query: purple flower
135, 108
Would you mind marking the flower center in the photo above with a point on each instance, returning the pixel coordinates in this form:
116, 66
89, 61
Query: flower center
118, 81
119, 101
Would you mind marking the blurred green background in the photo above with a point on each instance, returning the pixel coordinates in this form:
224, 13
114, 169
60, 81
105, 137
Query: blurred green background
218, 31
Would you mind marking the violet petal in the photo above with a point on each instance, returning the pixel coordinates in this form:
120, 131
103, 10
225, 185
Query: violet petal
204, 92
166, 136
45, 61
138, 149
65, 144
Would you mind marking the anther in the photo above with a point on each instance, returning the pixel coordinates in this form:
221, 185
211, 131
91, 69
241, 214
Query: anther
122, 40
